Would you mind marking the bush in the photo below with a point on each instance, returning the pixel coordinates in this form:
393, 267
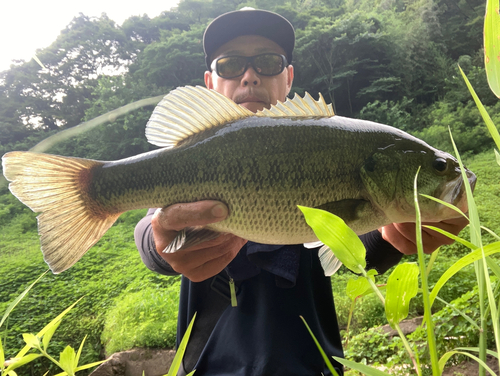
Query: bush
145, 318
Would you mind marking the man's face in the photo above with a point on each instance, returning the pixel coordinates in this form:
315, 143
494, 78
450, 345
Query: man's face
251, 90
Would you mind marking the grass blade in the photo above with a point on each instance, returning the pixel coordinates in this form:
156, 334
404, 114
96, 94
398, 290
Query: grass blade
323, 354
476, 255
176, 363
449, 354
489, 123
431, 336
18, 299
365, 370
452, 236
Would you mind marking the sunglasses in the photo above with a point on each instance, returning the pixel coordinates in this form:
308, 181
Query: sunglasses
268, 64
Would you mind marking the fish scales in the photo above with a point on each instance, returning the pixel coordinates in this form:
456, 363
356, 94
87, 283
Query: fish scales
255, 166
261, 165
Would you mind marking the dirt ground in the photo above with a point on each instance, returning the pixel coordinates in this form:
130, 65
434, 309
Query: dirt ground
470, 368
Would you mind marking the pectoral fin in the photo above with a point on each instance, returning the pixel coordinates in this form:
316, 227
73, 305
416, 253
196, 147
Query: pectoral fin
329, 261
190, 237
349, 210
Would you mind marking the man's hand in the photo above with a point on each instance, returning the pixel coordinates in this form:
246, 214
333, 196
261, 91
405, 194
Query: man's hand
402, 235
203, 260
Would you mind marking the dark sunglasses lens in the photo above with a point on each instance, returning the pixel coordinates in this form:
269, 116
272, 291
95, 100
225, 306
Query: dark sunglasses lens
268, 65
231, 66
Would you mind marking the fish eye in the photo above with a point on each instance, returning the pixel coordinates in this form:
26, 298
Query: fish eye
439, 164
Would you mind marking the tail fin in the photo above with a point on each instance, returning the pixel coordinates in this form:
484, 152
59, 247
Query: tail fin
70, 221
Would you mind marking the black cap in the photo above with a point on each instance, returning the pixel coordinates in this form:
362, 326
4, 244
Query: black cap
248, 21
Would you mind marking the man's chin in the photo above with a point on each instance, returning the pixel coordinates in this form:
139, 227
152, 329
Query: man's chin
254, 106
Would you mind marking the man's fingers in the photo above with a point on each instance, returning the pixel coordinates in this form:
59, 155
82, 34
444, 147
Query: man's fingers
213, 257
398, 239
179, 216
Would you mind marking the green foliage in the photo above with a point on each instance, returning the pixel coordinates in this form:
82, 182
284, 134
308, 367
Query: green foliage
108, 269
144, 318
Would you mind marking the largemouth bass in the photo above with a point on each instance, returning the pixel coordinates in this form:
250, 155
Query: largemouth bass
261, 165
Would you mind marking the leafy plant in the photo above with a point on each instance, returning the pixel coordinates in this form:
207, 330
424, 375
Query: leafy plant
68, 359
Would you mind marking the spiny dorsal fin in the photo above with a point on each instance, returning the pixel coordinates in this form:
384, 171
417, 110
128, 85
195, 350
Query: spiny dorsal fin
301, 107
189, 110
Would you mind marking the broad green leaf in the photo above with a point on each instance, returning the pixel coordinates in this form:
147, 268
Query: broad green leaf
42, 332
365, 370
449, 354
18, 299
497, 156
323, 354
31, 340
489, 123
402, 286
360, 285
22, 361
48, 335
176, 363
491, 46
67, 360
333, 232
489, 249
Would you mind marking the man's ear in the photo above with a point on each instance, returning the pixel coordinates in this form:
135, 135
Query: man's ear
208, 80
289, 77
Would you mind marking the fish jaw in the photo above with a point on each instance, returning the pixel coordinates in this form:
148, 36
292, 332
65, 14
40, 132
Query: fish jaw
452, 192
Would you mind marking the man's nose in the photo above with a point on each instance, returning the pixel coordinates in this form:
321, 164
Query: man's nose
250, 77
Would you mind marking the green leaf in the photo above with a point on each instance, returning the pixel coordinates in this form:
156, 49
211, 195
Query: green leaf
490, 352
48, 335
402, 286
323, 354
449, 354
497, 156
489, 123
2, 355
90, 365
333, 232
452, 236
67, 360
31, 340
489, 249
18, 362
492, 264
176, 363
42, 332
365, 370
491, 46
359, 286
79, 353
18, 299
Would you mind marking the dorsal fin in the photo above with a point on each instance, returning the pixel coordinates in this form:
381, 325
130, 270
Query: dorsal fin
189, 110
301, 107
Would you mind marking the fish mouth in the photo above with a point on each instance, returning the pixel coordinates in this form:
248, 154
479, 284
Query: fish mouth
453, 191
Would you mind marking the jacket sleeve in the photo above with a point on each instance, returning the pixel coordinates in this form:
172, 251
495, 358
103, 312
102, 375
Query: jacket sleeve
380, 254
144, 241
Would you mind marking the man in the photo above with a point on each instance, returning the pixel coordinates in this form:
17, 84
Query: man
248, 54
